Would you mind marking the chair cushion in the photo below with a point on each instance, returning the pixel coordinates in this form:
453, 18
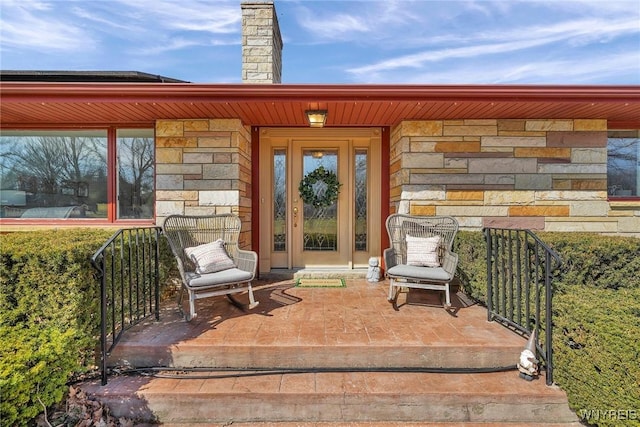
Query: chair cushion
210, 257
419, 273
423, 251
225, 277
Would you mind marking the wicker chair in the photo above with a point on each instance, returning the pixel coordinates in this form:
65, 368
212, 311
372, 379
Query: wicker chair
208, 257
420, 255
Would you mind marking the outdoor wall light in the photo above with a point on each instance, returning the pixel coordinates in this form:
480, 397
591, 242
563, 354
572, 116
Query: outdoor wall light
316, 118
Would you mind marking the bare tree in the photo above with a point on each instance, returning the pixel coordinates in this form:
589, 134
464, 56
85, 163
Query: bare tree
45, 166
622, 165
135, 170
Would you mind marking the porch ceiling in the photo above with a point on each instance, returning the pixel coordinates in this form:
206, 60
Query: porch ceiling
25, 104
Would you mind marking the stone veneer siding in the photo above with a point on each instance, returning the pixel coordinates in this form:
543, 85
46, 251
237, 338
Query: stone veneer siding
261, 44
203, 167
546, 175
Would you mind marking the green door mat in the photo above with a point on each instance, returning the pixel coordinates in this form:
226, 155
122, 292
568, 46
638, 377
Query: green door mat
320, 283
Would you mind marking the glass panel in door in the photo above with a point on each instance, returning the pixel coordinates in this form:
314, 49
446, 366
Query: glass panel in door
279, 224
360, 200
320, 189
320, 210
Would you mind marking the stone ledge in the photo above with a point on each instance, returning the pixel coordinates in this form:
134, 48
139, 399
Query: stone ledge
625, 204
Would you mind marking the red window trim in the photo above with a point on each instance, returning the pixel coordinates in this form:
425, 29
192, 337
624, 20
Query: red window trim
112, 196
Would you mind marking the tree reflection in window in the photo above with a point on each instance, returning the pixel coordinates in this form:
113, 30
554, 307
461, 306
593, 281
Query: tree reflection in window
623, 163
135, 149
52, 174
279, 200
361, 200
41, 172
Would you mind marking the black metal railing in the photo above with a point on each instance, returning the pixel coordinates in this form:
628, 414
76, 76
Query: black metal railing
127, 267
519, 286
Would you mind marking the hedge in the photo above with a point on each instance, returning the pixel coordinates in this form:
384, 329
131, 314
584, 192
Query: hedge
597, 326
596, 318
49, 316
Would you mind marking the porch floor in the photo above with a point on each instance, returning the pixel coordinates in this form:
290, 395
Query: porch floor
354, 333
357, 316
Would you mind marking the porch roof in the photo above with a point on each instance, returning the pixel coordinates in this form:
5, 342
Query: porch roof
46, 104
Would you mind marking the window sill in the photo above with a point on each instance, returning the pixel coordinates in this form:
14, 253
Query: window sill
17, 224
627, 203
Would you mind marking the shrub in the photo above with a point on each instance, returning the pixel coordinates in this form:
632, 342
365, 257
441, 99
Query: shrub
596, 311
596, 339
597, 351
604, 262
472, 263
49, 315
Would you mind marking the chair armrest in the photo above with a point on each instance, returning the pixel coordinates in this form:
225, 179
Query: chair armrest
450, 262
389, 256
247, 261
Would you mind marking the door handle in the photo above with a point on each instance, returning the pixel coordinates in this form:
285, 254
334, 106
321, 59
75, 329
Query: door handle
295, 216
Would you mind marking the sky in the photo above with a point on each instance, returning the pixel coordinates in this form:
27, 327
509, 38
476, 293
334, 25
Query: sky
335, 42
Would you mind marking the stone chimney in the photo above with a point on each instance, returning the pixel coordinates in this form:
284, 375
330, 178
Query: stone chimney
261, 43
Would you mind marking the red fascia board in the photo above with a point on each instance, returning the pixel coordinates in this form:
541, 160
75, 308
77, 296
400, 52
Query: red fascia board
181, 92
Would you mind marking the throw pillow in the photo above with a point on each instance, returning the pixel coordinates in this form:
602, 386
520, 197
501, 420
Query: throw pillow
423, 251
210, 257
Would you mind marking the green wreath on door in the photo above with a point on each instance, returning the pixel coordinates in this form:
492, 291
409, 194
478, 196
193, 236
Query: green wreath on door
319, 188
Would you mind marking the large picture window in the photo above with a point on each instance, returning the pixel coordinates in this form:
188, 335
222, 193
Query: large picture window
623, 164
66, 174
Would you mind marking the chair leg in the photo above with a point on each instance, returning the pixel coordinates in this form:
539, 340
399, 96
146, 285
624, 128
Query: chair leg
192, 306
393, 291
180, 294
447, 303
252, 302
179, 301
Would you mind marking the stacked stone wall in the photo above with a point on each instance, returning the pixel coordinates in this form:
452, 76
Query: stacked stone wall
261, 44
203, 167
539, 174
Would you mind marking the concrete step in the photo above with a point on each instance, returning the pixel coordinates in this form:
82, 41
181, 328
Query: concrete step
341, 339
340, 397
311, 328
196, 355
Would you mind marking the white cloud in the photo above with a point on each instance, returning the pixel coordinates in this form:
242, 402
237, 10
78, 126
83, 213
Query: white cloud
478, 45
335, 26
83, 13
607, 68
415, 41
218, 17
28, 25
561, 71
170, 45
